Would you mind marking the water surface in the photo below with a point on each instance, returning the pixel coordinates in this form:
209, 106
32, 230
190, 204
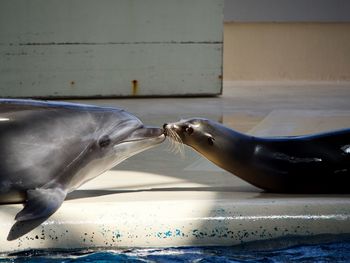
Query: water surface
333, 252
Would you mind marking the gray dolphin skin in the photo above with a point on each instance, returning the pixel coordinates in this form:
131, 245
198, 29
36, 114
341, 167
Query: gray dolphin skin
315, 163
49, 149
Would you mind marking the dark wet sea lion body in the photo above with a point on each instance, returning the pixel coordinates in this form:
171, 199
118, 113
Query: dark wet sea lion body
318, 163
49, 149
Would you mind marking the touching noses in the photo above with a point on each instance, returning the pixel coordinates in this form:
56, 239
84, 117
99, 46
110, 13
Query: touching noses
171, 126
183, 128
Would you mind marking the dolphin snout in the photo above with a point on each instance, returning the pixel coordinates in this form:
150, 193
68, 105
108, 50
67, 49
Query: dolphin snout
146, 133
154, 131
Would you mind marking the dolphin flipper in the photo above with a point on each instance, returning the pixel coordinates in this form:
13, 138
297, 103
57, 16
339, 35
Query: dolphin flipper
41, 203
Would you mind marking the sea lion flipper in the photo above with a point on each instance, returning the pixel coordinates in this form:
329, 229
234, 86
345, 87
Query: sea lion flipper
41, 203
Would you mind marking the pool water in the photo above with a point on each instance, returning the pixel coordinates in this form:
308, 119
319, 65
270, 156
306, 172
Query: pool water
333, 252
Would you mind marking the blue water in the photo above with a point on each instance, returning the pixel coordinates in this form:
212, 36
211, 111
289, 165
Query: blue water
334, 252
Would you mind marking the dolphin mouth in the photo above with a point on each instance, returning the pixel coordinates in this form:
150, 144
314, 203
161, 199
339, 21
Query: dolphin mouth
145, 133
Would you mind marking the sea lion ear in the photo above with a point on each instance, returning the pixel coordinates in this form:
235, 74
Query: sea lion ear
210, 139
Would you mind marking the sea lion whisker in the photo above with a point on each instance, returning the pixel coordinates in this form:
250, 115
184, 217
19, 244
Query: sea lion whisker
175, 142
176, 145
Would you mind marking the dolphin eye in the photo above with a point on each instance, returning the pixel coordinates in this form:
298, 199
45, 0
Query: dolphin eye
189, 130
104, 141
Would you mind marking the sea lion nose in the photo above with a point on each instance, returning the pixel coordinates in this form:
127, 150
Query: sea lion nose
172, 126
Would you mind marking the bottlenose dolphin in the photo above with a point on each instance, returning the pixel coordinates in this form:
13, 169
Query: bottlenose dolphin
49, 149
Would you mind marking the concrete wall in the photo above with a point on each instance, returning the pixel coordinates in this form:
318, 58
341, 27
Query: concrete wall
83, 48
287, 51
287, 40
287, 11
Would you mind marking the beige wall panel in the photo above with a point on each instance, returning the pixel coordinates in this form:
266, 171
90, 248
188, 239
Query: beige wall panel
287, 51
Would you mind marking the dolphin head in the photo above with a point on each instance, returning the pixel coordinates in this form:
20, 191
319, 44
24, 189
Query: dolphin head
138, 140
127, 137
120, 135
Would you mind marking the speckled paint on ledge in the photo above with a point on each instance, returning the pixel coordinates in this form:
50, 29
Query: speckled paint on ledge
188, 221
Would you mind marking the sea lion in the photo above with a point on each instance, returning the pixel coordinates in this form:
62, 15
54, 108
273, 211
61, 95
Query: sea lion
49, 149
317, 163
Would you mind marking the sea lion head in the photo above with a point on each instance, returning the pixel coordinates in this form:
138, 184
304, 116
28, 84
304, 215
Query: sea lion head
198, 133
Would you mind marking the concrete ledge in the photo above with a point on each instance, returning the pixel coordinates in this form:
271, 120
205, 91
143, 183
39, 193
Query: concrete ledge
181, 217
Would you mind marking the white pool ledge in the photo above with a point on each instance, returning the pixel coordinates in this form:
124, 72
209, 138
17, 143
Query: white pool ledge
143, 209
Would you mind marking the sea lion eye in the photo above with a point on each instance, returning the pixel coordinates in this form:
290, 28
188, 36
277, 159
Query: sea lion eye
189, 130
104, 141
